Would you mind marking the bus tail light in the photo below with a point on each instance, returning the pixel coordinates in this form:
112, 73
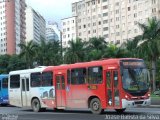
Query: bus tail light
126, 96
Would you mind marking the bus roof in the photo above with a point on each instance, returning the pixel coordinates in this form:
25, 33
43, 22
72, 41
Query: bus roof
37, 69
91, 63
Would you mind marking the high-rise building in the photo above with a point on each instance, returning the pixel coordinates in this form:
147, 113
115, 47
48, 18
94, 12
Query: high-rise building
35, 26
115, 20
68, 30
53, 32
12, 26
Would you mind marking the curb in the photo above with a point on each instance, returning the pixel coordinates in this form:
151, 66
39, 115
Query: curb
154, 106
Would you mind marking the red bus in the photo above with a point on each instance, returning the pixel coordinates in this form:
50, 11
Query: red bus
98, 85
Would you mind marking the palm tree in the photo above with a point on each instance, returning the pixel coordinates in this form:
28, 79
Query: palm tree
112, 51
131, 47
95, 48
54, 57
149, 44
28, 52
97, 43
43, 52
75, 52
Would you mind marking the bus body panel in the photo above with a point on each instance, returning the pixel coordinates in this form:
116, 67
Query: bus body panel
3, 91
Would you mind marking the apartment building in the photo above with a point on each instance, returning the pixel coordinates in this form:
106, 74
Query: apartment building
115, 20
12, 26
69, 30
35, 25
53, 32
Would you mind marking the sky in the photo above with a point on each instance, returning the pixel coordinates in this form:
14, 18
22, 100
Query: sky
52, 10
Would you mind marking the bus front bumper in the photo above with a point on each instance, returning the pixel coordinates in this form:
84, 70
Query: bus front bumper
135, 103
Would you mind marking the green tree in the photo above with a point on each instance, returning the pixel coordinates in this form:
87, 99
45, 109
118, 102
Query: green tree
42, 52
95, 48
149, 44
131, 47
75, 52
112, 51
16, 63
4, 61
28, 52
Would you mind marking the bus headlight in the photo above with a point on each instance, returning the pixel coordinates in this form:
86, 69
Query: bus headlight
149, 94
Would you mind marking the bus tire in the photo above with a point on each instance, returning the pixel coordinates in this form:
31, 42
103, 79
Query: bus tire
36, 106
95, 106
120, 110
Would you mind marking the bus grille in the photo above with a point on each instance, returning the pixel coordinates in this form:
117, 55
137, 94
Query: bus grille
139, 102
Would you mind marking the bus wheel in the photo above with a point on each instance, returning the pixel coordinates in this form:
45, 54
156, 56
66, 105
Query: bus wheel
36, 105
95, 106
120, 110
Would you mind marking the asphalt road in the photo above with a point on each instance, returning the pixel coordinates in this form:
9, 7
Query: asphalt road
15, 113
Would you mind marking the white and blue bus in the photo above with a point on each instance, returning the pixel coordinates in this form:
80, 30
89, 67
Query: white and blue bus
4, 89
30, 87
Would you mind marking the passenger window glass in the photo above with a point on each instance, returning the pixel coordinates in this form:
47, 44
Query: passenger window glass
5, 83
68, 76
78, 76
115, 73
47, 79
14, 81
0, 85
95, 75
27, 84
35, 79
108, 79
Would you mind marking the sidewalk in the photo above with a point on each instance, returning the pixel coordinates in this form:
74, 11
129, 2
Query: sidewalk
154, 106
155, 103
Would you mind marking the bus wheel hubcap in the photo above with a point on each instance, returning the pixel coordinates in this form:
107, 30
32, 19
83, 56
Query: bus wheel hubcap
95, 106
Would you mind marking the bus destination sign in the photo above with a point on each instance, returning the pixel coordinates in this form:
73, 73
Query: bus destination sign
133, 63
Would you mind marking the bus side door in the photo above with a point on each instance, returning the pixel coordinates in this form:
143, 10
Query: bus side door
60, 91
25, 91
0, 92
112, 87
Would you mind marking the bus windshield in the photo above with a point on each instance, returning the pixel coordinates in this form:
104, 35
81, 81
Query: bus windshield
135, 79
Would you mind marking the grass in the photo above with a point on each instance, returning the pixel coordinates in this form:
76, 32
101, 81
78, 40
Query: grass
155, 96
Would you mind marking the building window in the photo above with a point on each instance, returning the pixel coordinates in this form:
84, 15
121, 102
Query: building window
105, 0
105, 21
105, 36
129, 8
135, 15
105, 14
105, 28
105, 7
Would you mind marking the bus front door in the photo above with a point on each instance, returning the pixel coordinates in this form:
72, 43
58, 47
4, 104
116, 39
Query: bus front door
60, 91
112, 87
25, 91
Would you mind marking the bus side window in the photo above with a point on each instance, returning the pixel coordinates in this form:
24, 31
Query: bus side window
5, 83
14, 81
95, 75
78, 76
36, 79
0, 84
47, 79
